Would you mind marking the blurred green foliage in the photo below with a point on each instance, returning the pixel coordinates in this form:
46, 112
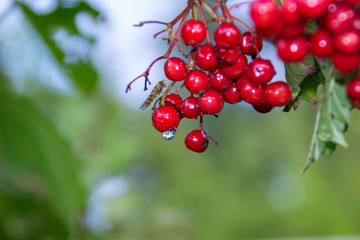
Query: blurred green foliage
83, 166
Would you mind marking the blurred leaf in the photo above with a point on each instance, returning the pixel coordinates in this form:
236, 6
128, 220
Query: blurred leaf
332, 121
83, 73
29, 140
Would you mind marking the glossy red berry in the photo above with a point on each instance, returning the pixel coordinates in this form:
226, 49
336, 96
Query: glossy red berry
353, 92
289, 12
312, 9
339, 18
175, 69
227, 55
211, 102
173, 100
264, 13
250, 44
321, 44
261, 71
278, 93
197, 81
227, 35
193, 32
205, 57
263, 107
190, 108
347, 42
293, 50
252, 92
232, 95
235, 70
218, 81
165, 118
290, 31
196, 141
346, 63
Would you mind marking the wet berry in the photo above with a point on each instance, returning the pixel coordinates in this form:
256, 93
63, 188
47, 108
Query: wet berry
196, 141
165, 118
261, 71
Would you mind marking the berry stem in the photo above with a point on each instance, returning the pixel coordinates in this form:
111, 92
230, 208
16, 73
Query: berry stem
179, 89
210, 10
203, 18
147, 22
201, 127
238, 5
168, 89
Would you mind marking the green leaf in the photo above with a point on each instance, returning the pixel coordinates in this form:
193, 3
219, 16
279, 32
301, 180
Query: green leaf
28, 140
83, 73
331, 122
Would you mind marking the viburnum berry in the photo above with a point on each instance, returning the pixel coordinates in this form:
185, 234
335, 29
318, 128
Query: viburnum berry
227, 55
193, 32
339, 19
173, 100
289, 12
321, 44
165, 118
227, 35
292, 50
211, 102
205, 57
235, 70
232, 95
218, 81
290, 31
345, 63
197, 81
312, 9
261, 71
196, 141
264, 13
263, 107
190, 108
347, 42
250, 44
252, 92
175, 69
277, 93
353, 91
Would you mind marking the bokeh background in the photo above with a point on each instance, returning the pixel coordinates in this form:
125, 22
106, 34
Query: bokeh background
79, 160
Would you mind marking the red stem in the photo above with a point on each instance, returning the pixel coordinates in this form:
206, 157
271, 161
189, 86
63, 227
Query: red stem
201, 127
198, 5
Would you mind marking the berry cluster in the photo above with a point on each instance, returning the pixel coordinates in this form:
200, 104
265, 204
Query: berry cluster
227, 70
324, 28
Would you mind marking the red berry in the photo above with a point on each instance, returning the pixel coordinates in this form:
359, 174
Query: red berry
278, 93
273, 31
293, 50
289, 12
290, 31
353, 88
263, 107
205, 57
227, 55
196, 141
175, 69
261, 71
193, 32
218, 81
232, 95
173, 100
165, 118
346, 63
227, 35
235, 70
197, 81
347, 42
312, 9
211, 102
340, 18
190, 108
264, 13
250, 45
321, 44
252, 92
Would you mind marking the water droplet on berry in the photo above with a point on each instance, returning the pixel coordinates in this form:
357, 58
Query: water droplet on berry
168, 135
